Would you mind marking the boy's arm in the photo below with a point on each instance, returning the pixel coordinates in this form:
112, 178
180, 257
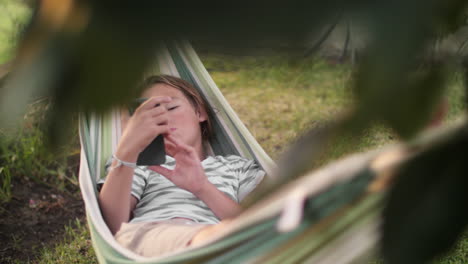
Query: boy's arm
115, 198
116, 208
221, 205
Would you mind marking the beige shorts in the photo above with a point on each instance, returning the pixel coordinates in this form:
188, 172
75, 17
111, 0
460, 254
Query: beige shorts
151, 239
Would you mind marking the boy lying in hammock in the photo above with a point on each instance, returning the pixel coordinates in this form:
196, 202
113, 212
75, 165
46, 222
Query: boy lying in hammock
153, 210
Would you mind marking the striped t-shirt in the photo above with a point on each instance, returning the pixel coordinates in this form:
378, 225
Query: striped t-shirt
159, 199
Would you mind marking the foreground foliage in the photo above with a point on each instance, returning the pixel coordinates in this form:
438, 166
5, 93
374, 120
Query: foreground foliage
397, 83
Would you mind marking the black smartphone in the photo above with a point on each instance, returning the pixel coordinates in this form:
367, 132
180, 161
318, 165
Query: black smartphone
154, 153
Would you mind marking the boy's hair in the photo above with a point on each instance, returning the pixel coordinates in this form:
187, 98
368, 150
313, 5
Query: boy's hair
192, 94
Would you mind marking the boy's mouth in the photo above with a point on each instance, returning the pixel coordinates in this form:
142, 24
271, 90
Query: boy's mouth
173, 129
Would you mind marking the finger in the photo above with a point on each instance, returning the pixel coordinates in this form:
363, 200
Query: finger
124, 118
161, 120
170, 148
153, 101
179, 143
161, 170
160, 130
188, 150
173, 146
170, 138
158, 110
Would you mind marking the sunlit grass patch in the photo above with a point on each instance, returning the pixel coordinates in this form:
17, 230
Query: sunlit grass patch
13, 16
76, 247
278, 97
456, 96
458, 254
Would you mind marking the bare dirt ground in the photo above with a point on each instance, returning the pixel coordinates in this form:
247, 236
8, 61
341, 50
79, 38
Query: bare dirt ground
35, 217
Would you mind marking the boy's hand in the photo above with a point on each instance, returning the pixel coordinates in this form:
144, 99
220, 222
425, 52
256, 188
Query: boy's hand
188, 173
144, 125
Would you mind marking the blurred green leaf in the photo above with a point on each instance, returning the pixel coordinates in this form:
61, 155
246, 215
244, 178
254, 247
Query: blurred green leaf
426, 209
407, 102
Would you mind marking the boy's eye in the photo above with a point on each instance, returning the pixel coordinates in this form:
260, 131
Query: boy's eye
172, 108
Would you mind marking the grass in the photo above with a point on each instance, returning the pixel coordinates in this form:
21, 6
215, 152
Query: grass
76, 248
458, 254
278, 98
23, 152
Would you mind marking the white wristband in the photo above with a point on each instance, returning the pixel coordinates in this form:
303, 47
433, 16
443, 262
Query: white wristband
122, 163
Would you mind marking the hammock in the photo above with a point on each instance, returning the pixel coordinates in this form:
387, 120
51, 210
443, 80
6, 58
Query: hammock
329, 216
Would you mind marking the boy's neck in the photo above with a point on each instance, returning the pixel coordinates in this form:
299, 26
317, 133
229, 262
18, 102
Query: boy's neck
200, 150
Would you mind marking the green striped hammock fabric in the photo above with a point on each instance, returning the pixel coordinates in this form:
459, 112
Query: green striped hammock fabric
328, 216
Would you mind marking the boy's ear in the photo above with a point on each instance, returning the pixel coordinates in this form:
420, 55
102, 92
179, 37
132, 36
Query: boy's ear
202, 115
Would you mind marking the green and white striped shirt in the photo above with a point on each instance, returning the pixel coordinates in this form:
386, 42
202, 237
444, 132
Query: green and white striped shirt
159, 199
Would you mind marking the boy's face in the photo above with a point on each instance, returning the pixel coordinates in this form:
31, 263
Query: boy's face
184, 120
